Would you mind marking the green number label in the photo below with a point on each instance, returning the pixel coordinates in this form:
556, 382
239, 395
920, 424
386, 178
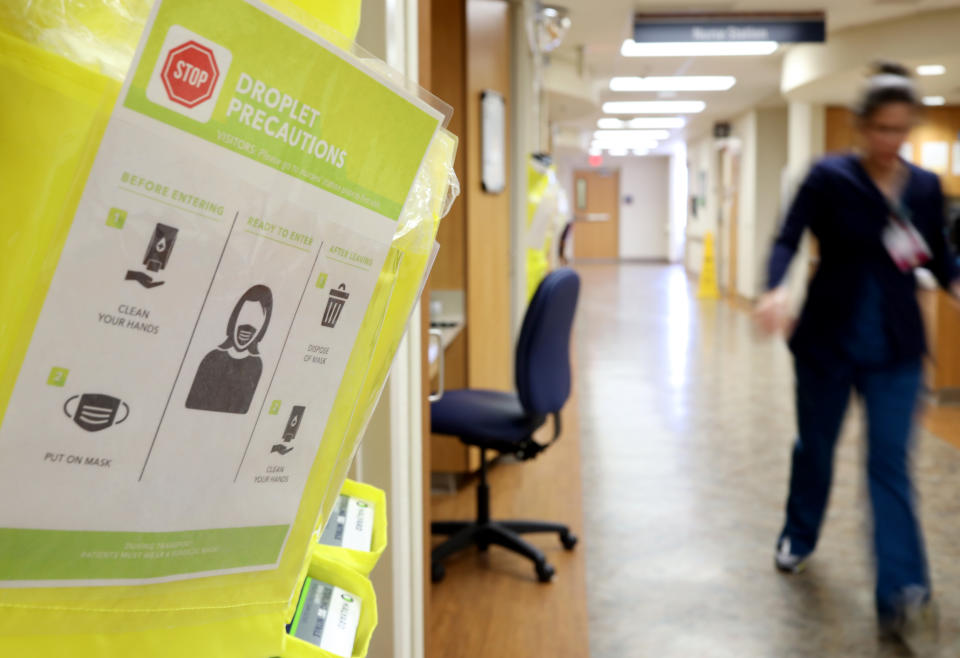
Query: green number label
57, 377
116, 218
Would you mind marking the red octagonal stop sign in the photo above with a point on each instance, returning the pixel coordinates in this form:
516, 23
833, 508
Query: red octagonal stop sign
190, 74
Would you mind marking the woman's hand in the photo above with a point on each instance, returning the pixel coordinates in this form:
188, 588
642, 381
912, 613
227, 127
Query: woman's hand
773, 311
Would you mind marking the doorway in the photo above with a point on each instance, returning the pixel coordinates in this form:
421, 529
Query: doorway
597, 214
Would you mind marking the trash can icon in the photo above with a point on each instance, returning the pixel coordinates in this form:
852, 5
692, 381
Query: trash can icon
338, 297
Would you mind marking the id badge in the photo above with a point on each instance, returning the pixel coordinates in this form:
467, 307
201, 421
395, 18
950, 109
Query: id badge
905, 245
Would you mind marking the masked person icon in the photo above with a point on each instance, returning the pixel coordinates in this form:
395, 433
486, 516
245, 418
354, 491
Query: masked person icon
228, 375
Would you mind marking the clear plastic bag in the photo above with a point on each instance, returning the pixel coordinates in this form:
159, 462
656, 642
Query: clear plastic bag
61, 64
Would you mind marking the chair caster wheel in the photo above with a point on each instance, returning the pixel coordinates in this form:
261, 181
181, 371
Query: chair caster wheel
437, 572
545, 572
569, 540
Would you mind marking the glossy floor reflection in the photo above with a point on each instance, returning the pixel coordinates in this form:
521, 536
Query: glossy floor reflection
686, 424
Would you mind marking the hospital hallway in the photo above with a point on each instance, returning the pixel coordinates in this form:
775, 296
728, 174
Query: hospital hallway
686, 427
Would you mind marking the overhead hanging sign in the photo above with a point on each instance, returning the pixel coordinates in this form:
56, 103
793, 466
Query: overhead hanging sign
780, 27
216, 274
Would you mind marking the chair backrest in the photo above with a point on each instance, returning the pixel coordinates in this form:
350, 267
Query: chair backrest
543, 351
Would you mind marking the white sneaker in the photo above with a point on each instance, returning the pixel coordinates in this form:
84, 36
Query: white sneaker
787, 562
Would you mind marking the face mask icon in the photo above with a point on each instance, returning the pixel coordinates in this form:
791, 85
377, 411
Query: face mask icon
95, 411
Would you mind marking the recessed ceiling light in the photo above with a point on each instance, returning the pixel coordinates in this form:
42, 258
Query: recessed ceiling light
934, 100
668, 123
673, 83
610, 123
931, 69
606, 144
631, 134
657, 122
631, 48
654, 107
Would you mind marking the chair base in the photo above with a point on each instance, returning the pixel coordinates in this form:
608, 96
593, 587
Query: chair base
464, 534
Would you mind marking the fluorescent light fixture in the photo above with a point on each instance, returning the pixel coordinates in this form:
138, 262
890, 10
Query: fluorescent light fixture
640, 152
931, 69
653, 107
601, 135
610, 123
657, 122
673, 83
642, 123
934, 100
617, 152
631, 48
628, 144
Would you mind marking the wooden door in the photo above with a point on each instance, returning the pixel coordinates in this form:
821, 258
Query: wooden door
596, 234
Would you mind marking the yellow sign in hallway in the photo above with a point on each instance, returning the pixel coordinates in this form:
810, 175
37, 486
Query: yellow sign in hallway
708, 288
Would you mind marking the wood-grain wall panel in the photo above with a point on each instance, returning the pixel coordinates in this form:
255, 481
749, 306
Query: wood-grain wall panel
937, 124
489, 343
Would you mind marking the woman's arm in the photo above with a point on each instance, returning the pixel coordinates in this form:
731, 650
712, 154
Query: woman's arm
773, 307
802, 210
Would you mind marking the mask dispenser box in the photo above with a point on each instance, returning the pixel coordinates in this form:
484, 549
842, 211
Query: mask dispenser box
355, 534
336, 613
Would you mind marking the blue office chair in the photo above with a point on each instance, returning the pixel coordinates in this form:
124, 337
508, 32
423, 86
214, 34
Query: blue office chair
505, 422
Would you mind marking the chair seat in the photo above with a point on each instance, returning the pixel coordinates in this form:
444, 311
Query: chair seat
490, 419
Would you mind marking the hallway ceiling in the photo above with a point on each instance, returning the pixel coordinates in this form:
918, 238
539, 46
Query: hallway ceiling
599, 27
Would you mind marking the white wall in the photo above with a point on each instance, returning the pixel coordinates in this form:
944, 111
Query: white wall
760, 138
679, 203
702, 156
746, 130
806, 129
644, 222
771, 162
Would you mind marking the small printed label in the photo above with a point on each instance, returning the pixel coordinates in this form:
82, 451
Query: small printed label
57, 377
116, 217
350, 524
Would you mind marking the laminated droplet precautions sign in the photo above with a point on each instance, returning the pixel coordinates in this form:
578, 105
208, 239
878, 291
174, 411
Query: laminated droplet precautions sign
218, 267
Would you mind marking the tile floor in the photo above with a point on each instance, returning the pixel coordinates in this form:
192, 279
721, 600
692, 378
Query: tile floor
686, 423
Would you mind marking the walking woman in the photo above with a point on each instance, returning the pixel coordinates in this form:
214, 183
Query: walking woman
876, 218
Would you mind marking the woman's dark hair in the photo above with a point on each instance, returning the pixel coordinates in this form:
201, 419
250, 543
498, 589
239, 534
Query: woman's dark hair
259, 294
888, 83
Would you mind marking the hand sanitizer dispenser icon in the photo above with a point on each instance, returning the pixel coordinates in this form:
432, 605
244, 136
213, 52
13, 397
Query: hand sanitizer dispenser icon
157, 256
160, 247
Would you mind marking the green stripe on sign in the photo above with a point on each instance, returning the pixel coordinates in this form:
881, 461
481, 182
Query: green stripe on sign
93, 555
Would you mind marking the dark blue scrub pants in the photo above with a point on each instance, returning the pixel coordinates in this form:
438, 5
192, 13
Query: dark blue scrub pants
890, 395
